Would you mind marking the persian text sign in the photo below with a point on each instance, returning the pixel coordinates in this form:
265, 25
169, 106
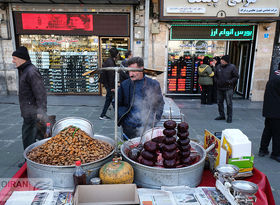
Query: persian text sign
212, 32
57, 22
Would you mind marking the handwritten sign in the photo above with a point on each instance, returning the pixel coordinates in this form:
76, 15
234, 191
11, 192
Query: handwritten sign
212, 32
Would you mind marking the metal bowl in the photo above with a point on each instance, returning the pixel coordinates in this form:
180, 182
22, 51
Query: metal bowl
79, 122
155, 177
61, 177
244, 187
227, 170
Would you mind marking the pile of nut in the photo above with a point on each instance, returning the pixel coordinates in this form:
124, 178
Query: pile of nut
67, 147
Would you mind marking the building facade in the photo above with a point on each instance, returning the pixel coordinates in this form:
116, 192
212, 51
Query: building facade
188, 30
66, 40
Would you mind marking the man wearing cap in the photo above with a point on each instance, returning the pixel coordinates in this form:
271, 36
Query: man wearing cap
226, 77
32, 95
139, 101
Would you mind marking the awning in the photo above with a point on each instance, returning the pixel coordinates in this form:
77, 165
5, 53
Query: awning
112, 2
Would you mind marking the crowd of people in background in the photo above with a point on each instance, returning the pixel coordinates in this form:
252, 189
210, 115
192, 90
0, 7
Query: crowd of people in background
218, 78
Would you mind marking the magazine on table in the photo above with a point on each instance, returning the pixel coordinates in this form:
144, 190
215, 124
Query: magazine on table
41, 197
155, 197
184, 195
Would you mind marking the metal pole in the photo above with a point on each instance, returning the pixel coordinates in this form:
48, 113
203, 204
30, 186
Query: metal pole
116, 107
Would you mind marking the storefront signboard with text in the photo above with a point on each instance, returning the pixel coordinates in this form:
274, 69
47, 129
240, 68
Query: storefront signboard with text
219, 9
211, 32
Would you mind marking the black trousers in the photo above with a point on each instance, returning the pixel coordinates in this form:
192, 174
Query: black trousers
225, 95
271, 131
29, 131
108, 101
206, 94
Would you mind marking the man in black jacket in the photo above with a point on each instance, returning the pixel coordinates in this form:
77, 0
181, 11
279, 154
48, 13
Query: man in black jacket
108, 80
271, 112
32, 95
226, 76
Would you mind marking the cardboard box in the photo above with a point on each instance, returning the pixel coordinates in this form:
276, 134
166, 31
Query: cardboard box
106, 194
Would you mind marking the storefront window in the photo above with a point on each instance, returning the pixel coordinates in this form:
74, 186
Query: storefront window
184, 58
62, 60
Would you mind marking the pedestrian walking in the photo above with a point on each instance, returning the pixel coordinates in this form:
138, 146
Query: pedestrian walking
32, 95
108, 80
124, 74
226, 77
271, 112
205, 79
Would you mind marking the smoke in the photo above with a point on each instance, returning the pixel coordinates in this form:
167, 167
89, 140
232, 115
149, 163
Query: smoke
147, 108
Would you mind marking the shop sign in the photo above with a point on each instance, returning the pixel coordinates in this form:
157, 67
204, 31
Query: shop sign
65, 22
258, 10
186, 10
209, 9
212, 32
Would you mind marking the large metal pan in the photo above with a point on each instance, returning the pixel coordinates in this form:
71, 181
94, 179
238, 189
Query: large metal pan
155, 177
61, 177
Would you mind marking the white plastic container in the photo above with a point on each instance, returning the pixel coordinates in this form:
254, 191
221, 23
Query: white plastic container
239, 143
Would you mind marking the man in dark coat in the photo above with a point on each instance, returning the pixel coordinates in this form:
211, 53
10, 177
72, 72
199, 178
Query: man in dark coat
226, 77
139, 100
32, 95
271, 112
108, 80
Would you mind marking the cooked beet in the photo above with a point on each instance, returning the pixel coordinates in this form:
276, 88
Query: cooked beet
169, 132
183, 135
183, 127
134, 153
185, 154
158, 139
147, 162
150, 146
187, 160
184, 142
169, 155
185, 147
169, 140
160, 146
169, 163
149, 155
169, 147
169, 124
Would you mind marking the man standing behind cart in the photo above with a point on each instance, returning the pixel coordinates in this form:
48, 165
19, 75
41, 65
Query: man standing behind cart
226, 76
32, 95
139, 100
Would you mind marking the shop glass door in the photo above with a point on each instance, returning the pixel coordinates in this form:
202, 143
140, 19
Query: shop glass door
240, 55
121, 43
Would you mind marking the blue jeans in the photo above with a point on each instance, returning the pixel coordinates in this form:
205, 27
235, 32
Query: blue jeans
225, 95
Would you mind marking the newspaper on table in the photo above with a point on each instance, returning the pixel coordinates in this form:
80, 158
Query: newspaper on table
41, 197
185, 195
155, 197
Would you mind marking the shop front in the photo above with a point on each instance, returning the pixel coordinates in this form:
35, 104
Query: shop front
243, 30
68, 43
